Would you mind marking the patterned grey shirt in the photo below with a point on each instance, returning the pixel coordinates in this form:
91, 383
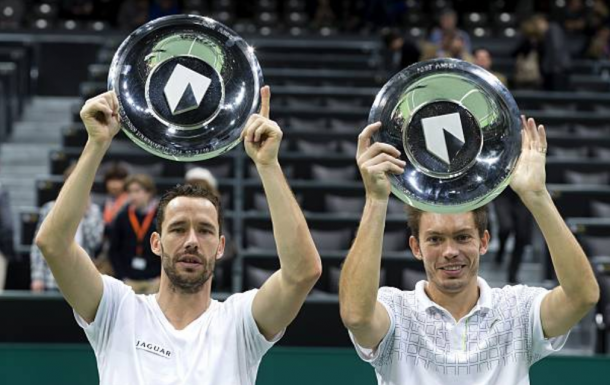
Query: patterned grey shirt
495, 343
91, 231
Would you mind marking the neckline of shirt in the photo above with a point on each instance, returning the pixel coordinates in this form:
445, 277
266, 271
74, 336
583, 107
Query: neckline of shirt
152, 298
484, 303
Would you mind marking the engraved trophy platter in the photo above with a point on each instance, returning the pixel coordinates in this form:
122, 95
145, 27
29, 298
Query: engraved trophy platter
186, 86
458, 129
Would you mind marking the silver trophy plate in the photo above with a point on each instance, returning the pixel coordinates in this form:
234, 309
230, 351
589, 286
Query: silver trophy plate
459, 132
186, 85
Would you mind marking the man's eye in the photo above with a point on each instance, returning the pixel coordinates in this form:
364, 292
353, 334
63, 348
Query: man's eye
464, 238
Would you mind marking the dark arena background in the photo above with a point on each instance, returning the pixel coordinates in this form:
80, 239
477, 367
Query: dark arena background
325, 61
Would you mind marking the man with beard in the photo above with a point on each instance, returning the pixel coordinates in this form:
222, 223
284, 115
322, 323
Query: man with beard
453, 328
181, 335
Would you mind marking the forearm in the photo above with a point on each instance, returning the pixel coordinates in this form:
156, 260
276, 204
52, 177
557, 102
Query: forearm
360, 274
571, 265
299, 258
57, 232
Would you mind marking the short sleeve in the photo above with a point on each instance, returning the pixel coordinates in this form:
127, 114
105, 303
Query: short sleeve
99, 331
377, 357
541, 346
256, 343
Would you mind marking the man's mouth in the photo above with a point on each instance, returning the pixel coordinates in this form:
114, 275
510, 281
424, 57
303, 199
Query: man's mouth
190, 260
452, 270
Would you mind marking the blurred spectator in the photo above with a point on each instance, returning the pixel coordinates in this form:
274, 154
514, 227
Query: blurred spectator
599, 46
454, 46
7, 250
527, 57
202, 175
132, 14
555, 60
575, 17
160, 8
513, 218
116, 196
400, 52
88, 235
132, 258
115, 200
482, 58
448, 26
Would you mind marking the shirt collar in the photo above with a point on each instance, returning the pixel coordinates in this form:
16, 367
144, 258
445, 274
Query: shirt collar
424, 302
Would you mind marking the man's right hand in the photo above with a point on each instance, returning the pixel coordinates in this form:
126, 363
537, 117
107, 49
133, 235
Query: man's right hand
101, 117
375, 161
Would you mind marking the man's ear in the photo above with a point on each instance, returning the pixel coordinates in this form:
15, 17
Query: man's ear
484, 243
221, 247
155, 243
414, 245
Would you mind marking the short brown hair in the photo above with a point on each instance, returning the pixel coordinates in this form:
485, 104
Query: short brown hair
479, 214
145, 181
116, 171
189, 190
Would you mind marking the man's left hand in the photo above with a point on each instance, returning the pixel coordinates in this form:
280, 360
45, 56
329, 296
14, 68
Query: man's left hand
262, 136
529, 177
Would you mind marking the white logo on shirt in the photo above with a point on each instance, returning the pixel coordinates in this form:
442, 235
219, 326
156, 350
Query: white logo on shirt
154, 349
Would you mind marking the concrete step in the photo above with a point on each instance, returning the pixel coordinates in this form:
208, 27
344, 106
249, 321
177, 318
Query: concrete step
24, 154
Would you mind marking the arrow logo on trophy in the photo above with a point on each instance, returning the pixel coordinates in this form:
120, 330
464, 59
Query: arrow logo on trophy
444, 136
185, 89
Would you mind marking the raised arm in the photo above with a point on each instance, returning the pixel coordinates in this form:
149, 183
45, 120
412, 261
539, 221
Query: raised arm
76, 276
361, 313
578, 290
281, 297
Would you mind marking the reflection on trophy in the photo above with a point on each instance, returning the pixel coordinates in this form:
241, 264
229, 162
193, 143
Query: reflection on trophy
458, 129
186, 86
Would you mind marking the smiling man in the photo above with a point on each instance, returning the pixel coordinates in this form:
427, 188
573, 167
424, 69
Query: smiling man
180, 335
453, 328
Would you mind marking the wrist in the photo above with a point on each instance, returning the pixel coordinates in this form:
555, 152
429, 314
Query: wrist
533, 199
377, 200
98, 144
272, 166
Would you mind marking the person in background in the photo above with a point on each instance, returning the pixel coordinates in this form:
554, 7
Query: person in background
115, 200
202, 175
555, 60
116, 196
400, 51
482, 58
89, 235
130, 252
453, 46
448, 26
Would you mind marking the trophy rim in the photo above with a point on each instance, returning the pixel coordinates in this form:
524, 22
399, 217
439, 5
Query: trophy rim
491, 84
165, 151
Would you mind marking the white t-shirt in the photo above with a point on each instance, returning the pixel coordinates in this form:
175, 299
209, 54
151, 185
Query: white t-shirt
135, 344
496, 343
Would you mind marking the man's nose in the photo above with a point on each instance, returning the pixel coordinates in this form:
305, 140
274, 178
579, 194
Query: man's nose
191, 239
450, 249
